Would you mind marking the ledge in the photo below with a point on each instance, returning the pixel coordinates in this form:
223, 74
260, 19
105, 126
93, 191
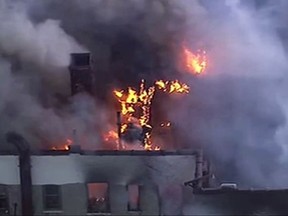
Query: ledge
98, 214
118, 152
216, 191
52, 212
110, 152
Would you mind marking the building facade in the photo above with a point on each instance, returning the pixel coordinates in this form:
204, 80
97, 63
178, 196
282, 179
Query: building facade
99, 183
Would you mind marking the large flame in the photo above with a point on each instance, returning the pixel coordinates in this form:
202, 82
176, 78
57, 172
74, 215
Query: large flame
172, 86
65, 146
110, 136
195, 63
132, 99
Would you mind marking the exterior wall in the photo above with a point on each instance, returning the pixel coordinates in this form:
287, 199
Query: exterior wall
73, 196
118, 199
38, 200
149, 200
157, 176
171, 199
238, 202
74, 168
14, 197
12, 193
9, 166
57, 169
74, 199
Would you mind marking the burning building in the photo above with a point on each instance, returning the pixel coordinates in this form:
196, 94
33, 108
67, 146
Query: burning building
130, 175
128, 118
135, 126
93, 182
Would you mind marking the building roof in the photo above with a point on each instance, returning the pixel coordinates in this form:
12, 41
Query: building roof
107, 152
242, 201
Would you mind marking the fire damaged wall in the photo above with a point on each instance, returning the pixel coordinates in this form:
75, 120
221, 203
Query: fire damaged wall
116, 169
160, 180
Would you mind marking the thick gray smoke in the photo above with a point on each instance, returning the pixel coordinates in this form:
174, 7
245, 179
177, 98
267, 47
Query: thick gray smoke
37, 37
237, 110
129, 40
34, 79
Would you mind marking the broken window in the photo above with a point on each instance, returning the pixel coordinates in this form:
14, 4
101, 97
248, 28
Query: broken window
98, 198
52, 197
133, 198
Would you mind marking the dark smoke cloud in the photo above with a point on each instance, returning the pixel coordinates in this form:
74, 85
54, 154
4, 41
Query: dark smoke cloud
129, 40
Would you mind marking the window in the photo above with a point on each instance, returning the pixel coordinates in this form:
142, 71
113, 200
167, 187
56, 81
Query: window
3, 204
52, 197
133, 198
98, 198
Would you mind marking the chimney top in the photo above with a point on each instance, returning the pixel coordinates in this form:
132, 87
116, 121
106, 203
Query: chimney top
80, 59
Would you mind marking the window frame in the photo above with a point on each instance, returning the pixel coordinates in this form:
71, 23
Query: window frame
108, 208
46, 195
138, 208
4, 209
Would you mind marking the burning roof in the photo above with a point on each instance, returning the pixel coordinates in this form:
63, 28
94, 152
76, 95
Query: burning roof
135, 107
131, 100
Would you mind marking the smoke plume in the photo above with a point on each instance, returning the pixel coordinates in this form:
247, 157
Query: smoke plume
238, 110
34, 80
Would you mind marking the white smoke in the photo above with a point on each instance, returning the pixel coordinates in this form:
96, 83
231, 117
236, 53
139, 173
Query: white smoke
28, 92
43, 43
238, 110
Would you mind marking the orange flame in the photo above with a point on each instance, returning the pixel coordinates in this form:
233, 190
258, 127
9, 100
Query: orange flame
157, 148
172, 86
129, 102
161, 84
196, 63
167, 124
65, 147
110, 136
175, 86
142, 99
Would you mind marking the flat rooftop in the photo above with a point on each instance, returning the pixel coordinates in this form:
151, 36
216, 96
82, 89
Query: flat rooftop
218, 191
